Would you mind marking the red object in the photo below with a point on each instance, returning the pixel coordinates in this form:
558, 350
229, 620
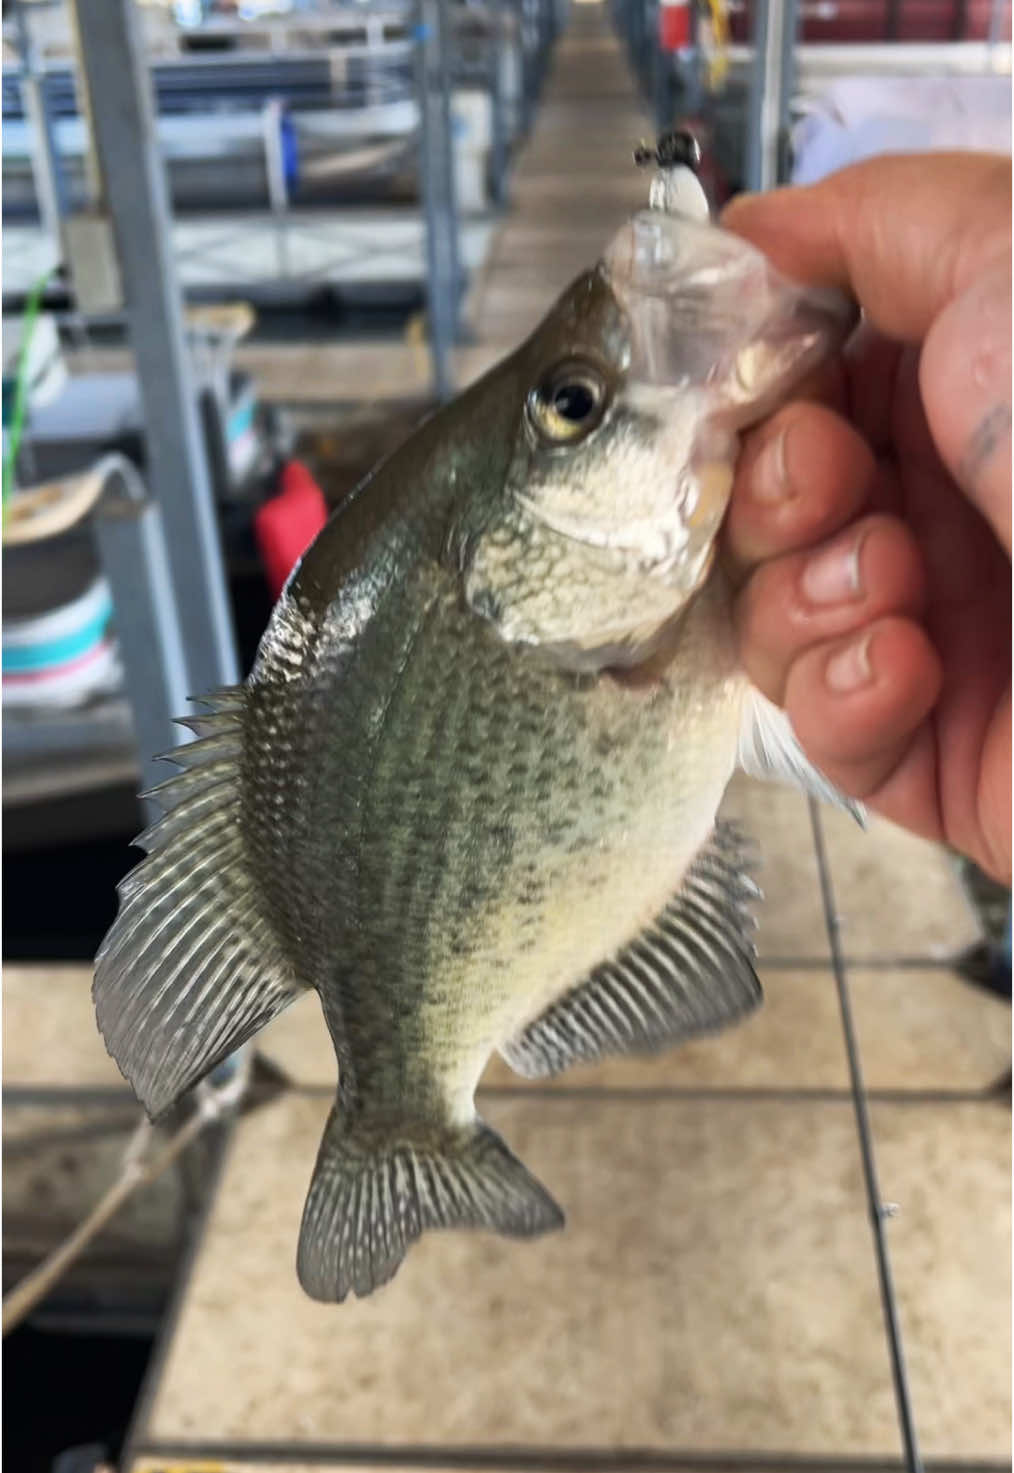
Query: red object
287, 524
674, 25
867, 20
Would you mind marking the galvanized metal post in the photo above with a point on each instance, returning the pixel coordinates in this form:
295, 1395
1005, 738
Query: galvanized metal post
47, 173
775, 26
278, 190
439, 199
134, 190
129, 533
498, 102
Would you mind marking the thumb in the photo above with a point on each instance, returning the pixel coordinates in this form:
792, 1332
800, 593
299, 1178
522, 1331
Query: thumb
923, 242
904, 234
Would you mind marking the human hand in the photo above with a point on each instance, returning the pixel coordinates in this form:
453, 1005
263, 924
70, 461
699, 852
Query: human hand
870, 524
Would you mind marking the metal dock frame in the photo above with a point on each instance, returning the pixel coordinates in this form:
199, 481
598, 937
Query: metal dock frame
133, 182
439, 199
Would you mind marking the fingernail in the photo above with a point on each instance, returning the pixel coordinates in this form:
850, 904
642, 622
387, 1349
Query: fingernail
834, 576
769, 481
850, 668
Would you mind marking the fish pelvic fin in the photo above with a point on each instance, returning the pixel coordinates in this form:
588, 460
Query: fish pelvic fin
190, 968
374, 1193
769, 749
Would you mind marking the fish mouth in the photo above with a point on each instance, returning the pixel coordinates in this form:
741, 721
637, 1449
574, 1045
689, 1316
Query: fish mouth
788, 348
708, 311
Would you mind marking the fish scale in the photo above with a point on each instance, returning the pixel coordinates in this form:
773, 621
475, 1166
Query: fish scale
468, 792
471, 828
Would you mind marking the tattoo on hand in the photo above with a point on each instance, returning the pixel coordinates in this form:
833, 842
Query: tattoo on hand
984, 442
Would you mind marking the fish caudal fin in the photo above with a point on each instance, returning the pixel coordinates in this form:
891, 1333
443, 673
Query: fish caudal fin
370, 1199
190, 968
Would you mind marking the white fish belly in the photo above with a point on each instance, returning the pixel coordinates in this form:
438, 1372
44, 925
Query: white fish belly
620, 867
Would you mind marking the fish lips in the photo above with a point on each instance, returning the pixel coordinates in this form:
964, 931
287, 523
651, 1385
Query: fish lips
708, 310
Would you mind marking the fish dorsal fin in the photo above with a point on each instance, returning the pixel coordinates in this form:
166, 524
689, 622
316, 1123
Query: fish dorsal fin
689, 972
769, 749
190, 968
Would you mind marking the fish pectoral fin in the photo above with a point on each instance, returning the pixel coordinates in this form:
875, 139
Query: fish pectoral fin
769, 749
190, 968
688, 973
372, 1196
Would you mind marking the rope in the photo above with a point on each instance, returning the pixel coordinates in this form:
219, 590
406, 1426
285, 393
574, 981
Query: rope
137, 1170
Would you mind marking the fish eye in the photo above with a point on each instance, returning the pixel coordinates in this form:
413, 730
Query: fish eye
568, 403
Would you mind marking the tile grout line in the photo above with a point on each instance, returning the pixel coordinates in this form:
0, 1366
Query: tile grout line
60, 1096
533, 1458
225, 1130
878, 1211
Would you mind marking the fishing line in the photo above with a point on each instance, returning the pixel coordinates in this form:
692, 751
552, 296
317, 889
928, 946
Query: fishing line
879, 1210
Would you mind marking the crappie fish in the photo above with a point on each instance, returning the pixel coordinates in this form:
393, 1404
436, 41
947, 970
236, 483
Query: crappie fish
468, 792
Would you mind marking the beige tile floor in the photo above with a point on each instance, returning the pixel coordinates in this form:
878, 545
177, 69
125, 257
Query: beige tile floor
897, 896
714, 1291
949, 1172
648, 1323
50, 1039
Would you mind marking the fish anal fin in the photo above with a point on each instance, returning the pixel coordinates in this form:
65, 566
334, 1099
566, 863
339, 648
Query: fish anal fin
689, 973
372, 1195
190, 968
